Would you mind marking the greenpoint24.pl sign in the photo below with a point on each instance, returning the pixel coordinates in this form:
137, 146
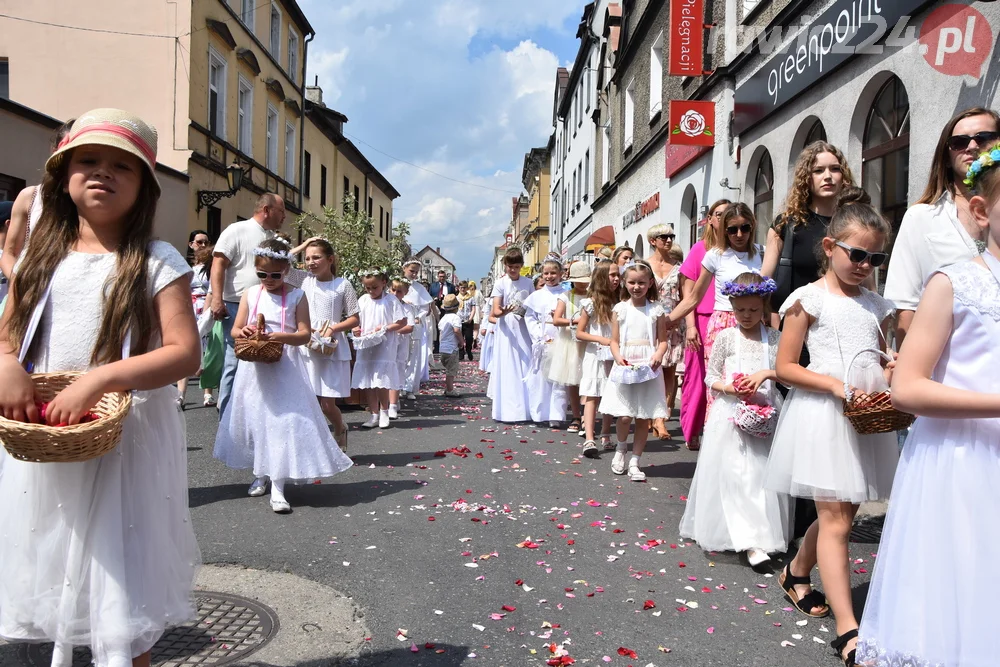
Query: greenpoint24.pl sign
846, 29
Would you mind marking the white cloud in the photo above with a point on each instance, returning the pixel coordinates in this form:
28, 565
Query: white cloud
459, 87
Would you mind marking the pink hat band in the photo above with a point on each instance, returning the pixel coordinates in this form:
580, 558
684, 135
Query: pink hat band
113, 128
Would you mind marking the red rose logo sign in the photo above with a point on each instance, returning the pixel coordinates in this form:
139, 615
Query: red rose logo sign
692, 123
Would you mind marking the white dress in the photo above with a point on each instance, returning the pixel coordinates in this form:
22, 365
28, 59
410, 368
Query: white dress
418, 365
101, 552
816, 453
404, 346
637, 341
274, 424
565, 363
930, 602
330, 302
511, 362
594, 371
548, 399
486, 344
728, 508
376, 367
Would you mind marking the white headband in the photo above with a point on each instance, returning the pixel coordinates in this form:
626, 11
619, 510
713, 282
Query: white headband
272, 254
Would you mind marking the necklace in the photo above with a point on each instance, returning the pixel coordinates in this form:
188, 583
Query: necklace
979, 244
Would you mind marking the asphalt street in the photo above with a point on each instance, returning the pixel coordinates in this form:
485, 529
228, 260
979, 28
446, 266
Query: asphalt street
465, 542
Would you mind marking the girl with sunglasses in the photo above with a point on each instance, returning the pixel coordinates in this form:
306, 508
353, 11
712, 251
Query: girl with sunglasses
734, 253
816, 453
274, 424
939, 229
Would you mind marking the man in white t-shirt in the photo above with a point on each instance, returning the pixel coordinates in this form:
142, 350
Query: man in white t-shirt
233, 271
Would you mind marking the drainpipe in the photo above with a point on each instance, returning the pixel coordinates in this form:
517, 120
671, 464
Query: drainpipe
302, 121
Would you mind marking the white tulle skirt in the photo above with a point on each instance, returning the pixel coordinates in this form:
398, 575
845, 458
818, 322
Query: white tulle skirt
817, 454
101, 553
275, 427
564, 363
486, 351
330, 378
728, 508
930, 599
593, 375
645, 400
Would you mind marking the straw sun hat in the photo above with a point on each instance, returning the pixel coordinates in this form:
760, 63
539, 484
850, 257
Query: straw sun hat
115, 128
579, 272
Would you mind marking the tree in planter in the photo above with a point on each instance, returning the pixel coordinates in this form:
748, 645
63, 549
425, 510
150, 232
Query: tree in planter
350, 232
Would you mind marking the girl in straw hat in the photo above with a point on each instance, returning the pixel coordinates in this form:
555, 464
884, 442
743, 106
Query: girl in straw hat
99, 552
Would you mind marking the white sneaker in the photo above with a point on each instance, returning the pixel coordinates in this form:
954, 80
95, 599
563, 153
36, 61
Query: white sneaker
372, 421
757, 556
618, 462
636, 475
393, 411
411, 397
258, 488
383, 419
280, 506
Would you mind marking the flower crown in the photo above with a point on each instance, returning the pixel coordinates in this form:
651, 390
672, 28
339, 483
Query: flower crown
400, 279
273, 254
371, 273
733, 289
986, 160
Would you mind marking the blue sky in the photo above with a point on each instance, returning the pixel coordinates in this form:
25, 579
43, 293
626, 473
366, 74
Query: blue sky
459, 87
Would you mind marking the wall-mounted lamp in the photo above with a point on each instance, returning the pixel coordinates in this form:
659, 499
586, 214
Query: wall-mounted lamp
234, 177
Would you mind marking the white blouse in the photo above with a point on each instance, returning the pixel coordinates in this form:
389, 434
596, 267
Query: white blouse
930, 237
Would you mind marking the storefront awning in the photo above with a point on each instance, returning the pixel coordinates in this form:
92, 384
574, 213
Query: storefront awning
605, 236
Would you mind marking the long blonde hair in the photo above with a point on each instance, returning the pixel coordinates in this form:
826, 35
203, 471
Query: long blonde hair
126, 304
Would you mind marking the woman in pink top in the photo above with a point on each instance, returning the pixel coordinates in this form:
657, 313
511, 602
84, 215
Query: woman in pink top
694, 398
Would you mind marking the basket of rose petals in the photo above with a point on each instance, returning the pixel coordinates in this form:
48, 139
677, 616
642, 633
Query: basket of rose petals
98, 432
754, 419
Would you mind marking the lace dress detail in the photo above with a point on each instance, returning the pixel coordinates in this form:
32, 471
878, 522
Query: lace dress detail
943, 510
330, 302
815, 452
670, 295
594, 371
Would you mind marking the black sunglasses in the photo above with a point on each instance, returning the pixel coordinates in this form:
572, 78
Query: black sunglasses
264, 275
860, 256
959, 142
667, 237
745, 228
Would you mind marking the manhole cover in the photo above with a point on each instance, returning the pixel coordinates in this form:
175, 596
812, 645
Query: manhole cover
868, 531
227, 628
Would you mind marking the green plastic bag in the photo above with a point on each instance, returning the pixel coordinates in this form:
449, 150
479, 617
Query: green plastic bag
213, 359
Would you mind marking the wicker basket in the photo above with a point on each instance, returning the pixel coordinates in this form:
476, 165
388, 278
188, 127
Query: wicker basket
749, 420
873, 413
255, 349
39, 443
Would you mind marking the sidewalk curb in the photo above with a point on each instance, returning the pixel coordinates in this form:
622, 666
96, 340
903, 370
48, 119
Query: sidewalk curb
317, 624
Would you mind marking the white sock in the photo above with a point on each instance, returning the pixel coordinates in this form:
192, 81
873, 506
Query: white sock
278, 489
634, 461
622, 447
394, 405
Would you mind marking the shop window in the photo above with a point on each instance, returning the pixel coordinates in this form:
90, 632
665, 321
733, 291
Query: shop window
763, 196
816, 133
691, 213
885, 157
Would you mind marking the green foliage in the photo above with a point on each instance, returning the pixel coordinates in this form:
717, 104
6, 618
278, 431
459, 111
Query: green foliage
353, 235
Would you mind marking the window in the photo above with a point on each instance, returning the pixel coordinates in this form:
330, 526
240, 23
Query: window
586, 175
357, 198
381, 222
763, 196
290, 153
579, 105
293, 55
816, 133
4, 79
606, 154
656, 77
885, 155
347, 192
388, 225
214, 223
572, 202
271, 157
216, 93
371, 208
322, 183
629, 115
691, 213
586, 74
307, 168
275, 32
246, 13
244, 119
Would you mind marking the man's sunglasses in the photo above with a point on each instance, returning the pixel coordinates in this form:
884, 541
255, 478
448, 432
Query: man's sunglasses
860, 256
745, 228
264, 275
667, 237
959, 142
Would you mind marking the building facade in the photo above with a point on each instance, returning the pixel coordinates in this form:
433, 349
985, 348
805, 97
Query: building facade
432, 261
533, 236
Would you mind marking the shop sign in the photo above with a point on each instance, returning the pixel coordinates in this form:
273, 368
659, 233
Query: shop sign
847, 28
687, 38
641, 210
692, 123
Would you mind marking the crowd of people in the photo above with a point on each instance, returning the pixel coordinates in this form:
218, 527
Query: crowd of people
776, 343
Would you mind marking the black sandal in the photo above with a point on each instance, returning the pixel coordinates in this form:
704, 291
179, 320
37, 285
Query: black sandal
806, 603
840, 642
